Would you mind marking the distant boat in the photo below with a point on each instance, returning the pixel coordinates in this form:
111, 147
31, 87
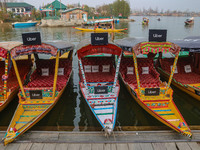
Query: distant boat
189, 21
158, 19
24, 24
145, 21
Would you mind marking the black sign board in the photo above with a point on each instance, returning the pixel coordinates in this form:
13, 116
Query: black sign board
101, 90
152, 91
32, 38
35, 94
99, 38
157, 35
197, 92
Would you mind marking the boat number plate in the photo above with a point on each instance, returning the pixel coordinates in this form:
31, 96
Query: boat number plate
101, 90
152, 91
35, 94
197, 92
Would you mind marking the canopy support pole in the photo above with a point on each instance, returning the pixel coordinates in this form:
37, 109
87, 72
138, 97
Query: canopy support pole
83, 75
117, 72
18, 77
56, 74
136, 73
172, 72
6, 75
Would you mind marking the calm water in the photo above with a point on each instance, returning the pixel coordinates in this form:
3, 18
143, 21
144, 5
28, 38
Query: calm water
72, 112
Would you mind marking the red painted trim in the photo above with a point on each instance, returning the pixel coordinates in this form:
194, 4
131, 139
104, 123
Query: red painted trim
156, 100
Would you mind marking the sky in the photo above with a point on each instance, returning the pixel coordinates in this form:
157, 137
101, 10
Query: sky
191, 5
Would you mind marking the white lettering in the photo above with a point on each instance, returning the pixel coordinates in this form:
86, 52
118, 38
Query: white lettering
157, 35
99, 38
31, 39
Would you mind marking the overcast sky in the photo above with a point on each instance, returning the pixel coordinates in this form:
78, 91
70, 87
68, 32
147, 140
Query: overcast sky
191, 5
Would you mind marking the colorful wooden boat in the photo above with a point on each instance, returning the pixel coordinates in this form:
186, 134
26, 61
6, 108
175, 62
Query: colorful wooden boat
187, 77
99, 81
8, 84
143, 82
45, 87
145, 21
99, 28
24, 24
189, 21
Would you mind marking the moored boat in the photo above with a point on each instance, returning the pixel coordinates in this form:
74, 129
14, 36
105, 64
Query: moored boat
46, 84
145, 21
99, 28
8, 84
99, 80
24, 24
144, 84
187, 75
189, 21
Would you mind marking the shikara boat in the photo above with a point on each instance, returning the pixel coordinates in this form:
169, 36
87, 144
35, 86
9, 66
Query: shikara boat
187, 76
99, 28
189, 21
24, 24
143, 82
99, 81
145, 21
8, 84
45, 87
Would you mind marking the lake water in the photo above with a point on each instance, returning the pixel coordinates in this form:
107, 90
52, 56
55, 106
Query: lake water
72, 112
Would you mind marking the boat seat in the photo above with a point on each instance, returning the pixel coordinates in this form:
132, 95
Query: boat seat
146, 80
37, 80
24, 66
99, 76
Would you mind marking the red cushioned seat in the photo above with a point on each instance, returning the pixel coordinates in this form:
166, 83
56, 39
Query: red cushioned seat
146, 80
37, 80
98, 76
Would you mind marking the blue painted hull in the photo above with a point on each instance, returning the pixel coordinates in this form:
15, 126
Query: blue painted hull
25, 24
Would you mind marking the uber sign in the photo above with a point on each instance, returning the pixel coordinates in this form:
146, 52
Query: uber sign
99, 38
35, 94
31, 38
152, 91
157, 35
101, 90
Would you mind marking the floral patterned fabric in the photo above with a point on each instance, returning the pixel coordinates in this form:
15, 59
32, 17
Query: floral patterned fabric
3, 52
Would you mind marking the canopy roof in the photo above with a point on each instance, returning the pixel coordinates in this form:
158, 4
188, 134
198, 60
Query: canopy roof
85, 49
6, 46
45, 48
104, 20
141, 47
191, 43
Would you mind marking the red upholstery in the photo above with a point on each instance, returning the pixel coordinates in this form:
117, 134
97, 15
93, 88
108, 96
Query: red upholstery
47, 81
146, 80
23, 66
99, 76
181, 76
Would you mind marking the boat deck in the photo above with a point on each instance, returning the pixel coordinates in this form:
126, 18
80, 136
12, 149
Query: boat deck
126, 140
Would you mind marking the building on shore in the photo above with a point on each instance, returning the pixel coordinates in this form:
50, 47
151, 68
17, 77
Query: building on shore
19, 8
74, 14
52, 8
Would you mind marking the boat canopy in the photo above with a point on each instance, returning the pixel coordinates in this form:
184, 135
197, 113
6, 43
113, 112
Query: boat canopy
6, 46
141, 47
104, 20
45, 48
88, 49
190, 44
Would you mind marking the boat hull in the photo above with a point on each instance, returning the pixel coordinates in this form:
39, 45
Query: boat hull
191, 93
155, 115
100, 30
25, 24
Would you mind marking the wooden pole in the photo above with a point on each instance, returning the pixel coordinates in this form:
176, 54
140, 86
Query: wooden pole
136, 72
172, 72
55, 75
18, 77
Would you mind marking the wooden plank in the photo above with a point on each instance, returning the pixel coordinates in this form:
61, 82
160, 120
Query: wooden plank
194, 145
170, 146
134, 146
122, 146
113, 146
106, 147
49, 146
85, 147
73, 146
159, 146
2, 147
62, 146
37, 146
12, 146
25, 146
183, 146
97, 146
146, 146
